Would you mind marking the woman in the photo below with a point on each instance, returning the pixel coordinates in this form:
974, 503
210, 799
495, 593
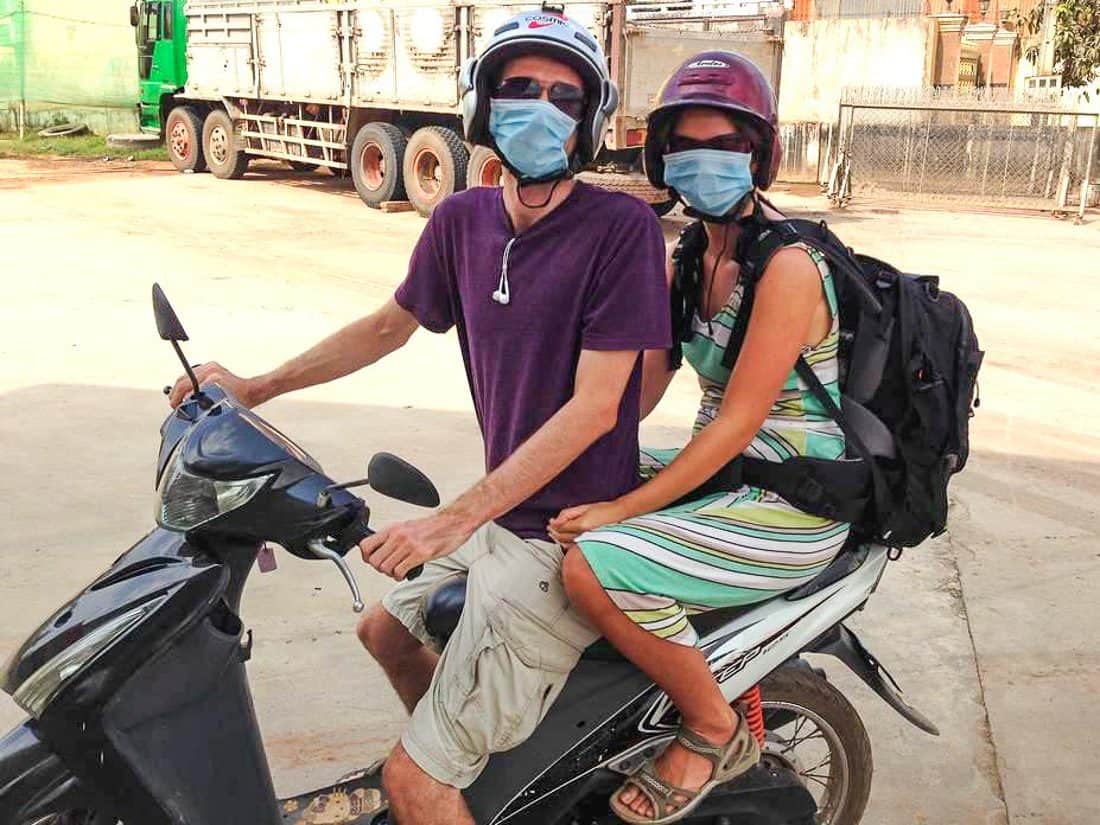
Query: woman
645, 561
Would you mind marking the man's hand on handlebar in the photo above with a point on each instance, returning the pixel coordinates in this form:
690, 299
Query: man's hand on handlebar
243, 389
401, 547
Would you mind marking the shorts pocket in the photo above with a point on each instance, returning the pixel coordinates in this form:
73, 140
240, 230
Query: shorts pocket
503, 702
534, 615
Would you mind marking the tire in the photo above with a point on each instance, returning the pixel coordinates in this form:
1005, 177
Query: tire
224, 155
376, 156
799, 692
434, 167
183, 139
483, 168
632, 183
63, 130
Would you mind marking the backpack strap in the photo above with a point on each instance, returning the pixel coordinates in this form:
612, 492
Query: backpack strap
684, 289
879, 488
760, 239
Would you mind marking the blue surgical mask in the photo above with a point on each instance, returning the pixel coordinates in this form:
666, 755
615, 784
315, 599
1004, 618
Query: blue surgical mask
531, 135
711, 181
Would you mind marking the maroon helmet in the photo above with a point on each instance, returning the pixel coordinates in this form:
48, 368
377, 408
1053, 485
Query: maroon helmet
721, 80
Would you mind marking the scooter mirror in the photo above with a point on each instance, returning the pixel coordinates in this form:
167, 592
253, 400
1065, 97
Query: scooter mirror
169, 327
134, 16
394, 477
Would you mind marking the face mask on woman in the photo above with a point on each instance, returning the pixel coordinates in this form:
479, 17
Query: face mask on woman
711, 181
531, 135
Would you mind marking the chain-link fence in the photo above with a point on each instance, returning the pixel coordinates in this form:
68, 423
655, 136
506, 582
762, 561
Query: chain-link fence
981, 149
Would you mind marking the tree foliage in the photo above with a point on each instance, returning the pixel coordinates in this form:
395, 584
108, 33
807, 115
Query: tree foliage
1076, 38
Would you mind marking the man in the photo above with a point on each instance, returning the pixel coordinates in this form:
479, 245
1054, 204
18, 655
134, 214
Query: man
555, 288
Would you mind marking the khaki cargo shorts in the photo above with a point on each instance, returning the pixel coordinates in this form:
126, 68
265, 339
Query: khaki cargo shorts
507, 660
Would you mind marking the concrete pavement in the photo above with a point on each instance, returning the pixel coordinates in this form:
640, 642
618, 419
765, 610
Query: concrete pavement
991, 629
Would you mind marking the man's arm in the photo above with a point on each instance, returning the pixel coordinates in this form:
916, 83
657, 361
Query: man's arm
592, 412
357, 345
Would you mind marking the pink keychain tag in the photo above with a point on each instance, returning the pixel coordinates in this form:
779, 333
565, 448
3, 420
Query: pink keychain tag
265, 559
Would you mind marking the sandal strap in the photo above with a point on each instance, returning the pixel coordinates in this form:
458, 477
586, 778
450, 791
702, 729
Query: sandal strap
661, 794
693, 742
719, 756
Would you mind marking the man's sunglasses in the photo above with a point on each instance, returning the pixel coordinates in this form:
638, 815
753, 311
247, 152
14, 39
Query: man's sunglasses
566, 97
730, 142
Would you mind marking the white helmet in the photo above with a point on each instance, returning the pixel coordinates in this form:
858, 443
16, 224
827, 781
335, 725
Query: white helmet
549, 33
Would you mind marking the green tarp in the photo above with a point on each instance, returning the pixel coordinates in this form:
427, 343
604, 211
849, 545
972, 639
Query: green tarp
68, 59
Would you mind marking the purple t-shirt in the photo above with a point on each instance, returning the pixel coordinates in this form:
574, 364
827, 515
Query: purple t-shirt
590, 275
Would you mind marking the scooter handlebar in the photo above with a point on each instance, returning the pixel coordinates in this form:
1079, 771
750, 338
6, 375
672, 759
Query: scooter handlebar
360, 529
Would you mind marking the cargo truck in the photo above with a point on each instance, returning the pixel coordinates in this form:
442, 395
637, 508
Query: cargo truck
370, 87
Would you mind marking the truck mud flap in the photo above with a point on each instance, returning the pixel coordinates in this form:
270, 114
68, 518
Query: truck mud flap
846, 646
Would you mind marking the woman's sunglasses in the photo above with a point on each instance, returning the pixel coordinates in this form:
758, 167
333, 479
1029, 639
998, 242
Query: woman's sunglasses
566, 97
731, 142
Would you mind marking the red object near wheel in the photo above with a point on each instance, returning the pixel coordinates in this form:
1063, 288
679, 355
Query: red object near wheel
183, 139
484, 168
435, 167
375, 163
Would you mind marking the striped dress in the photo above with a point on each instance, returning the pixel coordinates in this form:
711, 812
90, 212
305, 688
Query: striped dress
733, 548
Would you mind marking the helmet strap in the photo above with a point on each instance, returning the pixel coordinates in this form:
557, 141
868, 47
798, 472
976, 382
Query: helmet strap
549, 195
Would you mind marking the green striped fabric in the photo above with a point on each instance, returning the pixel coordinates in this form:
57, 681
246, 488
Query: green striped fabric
733, 548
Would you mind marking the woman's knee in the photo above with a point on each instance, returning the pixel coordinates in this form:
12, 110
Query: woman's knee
577, 576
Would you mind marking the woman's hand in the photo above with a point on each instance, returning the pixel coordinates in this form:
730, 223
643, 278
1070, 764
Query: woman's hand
572, 521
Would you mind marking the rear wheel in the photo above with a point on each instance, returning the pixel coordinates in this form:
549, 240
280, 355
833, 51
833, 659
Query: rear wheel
484, 168
183, 139
434, 167
814, 731
375, 163
224, 154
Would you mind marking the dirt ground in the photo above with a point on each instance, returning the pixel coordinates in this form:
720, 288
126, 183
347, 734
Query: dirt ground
991, 630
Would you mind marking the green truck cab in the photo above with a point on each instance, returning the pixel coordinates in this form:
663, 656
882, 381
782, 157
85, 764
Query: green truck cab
161, 31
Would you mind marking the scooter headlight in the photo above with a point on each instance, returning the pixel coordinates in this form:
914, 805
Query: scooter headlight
39, 689
186, 501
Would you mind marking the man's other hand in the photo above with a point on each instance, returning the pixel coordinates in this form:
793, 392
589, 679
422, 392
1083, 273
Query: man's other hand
243, 389
401, 547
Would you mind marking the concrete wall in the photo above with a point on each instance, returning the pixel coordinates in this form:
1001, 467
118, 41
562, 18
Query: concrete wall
822, 57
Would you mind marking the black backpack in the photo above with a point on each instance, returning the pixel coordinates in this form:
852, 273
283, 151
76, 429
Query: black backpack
909, 363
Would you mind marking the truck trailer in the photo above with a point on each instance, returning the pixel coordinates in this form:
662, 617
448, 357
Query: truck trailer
370, 87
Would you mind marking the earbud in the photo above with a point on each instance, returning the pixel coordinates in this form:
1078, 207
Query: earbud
501, 297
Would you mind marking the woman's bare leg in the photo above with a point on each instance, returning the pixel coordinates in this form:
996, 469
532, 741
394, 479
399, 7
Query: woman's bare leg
680, 671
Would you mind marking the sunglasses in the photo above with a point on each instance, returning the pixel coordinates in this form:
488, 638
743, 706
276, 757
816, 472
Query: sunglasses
566, 97
730, 142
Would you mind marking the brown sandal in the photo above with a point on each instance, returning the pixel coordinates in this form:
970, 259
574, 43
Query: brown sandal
670, 803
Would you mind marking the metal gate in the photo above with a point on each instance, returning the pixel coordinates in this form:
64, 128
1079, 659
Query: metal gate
977, 150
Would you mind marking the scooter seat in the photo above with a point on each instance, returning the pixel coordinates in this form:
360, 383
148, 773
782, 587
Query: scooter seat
444, 605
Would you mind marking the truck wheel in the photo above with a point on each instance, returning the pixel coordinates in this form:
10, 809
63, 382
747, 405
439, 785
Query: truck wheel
224, 154
630, 183
434, 167
484, 168
183, 139
376, 163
